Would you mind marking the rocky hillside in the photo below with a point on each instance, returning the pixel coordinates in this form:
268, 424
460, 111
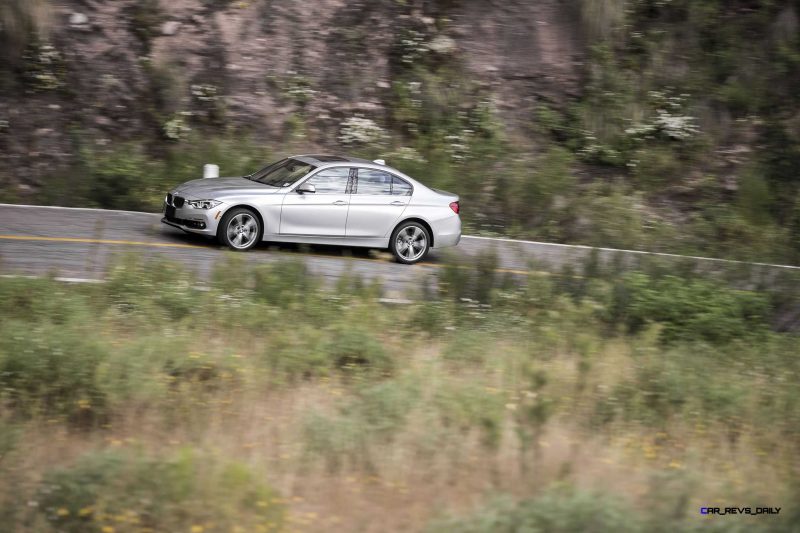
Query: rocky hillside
642, 123
123, 69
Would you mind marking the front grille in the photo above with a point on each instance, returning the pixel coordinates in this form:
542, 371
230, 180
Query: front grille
169, 198
169, 214
178, 201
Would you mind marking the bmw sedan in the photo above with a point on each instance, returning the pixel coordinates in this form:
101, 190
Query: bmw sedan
319, 199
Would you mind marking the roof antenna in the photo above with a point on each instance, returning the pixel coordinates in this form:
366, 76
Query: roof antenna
380, 161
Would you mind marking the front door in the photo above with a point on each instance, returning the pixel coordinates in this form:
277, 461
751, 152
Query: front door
321, 213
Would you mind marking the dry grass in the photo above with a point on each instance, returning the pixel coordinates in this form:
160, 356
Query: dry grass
406, 485
416, 427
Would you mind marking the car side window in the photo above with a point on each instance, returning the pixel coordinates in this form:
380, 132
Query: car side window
331, 180
371, 181
400, 187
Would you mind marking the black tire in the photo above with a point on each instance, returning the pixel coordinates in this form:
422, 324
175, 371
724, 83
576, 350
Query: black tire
240, 229
413, 235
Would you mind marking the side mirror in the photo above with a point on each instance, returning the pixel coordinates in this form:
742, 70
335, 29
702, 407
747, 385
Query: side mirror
305, 187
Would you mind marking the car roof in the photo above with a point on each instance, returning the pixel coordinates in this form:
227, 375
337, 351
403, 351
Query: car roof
321, 159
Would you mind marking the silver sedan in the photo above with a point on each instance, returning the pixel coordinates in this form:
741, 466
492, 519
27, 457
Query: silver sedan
319, 199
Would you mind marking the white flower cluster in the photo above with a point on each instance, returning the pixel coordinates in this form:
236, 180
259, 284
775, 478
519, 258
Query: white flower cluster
669, 122
205, 92
678, 127
299, 91
415, 90
413, 47
442, 45
597, 151
458, 145
44, 62
482, 118
176, 128
360, 131
407, 153
297, 87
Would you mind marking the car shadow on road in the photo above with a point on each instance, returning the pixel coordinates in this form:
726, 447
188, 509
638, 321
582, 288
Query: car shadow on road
350, 252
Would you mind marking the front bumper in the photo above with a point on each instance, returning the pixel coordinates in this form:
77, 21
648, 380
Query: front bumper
203, 222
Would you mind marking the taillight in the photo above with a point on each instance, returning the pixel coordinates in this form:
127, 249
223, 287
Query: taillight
455, 207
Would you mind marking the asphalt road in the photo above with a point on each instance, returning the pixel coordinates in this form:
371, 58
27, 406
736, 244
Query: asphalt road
78, 243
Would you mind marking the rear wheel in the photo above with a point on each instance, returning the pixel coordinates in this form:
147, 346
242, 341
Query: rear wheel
239, 229
410, 242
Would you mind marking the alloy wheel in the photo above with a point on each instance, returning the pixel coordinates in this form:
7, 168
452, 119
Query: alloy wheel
242, 230
411, 243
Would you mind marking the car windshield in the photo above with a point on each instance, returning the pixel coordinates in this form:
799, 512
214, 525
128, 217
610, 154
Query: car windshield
283, 173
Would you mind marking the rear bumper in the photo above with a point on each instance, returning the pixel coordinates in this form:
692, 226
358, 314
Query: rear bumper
447, 232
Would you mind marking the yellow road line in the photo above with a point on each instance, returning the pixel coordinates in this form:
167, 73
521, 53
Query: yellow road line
199, 247
97, 241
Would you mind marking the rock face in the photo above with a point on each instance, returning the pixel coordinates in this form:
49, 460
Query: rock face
137, 62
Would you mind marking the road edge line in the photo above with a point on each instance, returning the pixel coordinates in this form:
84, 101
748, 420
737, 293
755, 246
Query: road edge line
478, 237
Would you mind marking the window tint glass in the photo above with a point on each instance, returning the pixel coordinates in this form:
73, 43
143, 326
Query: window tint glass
374, 182
400, 187
331, 181
283, 173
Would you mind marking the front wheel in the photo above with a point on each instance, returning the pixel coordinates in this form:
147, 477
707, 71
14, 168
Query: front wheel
239, 229
410, 242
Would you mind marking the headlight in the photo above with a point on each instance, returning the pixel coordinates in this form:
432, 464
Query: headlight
203, 204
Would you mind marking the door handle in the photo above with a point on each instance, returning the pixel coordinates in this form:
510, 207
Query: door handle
339, 202
397, 202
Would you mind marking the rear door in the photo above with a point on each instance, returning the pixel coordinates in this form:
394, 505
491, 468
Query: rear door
378, 200
322, 213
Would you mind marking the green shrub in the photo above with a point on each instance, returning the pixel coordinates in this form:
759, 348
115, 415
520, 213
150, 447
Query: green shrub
44, 67
128, 491
469, 346
42, 300
153, 288
284, 283
694, 309
123, 178
360, 428
297, 353
52, 369
471, 278
145, 21
352, 349
555, 511
431, 317
467, 407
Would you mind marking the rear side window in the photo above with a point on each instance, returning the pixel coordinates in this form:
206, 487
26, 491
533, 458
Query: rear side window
374, 182
371, 181
400, 187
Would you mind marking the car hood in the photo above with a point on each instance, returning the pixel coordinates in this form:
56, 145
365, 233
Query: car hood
219, 188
